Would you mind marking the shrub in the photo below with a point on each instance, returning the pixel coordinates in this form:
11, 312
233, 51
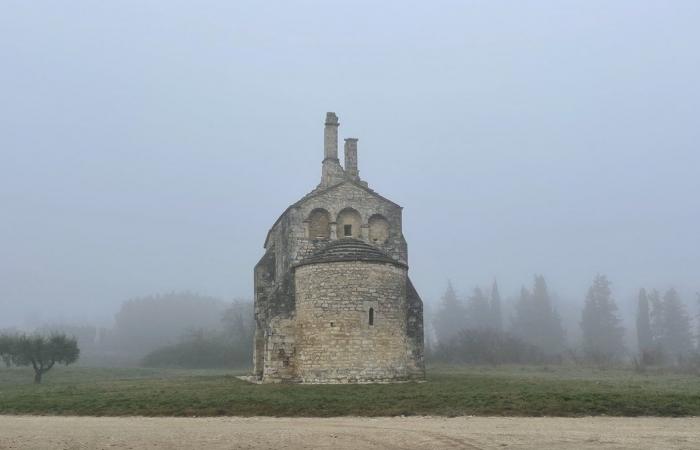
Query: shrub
201, 351
486, 346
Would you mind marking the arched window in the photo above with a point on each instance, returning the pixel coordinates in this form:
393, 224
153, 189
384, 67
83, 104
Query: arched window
319, 224
378, 229
349, 223
371, 317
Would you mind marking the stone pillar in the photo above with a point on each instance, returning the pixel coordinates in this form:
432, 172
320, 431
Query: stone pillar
330, 137
351, 159
332, 172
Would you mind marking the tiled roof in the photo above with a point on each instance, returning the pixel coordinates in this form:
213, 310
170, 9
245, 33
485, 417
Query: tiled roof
349, 249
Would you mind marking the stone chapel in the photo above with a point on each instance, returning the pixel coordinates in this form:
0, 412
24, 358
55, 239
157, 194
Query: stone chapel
333, 300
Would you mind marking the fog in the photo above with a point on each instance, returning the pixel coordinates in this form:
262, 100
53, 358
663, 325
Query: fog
147, 147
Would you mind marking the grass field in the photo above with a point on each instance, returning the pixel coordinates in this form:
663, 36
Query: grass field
449, 391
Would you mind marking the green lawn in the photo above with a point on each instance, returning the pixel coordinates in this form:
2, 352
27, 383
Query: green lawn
516, 391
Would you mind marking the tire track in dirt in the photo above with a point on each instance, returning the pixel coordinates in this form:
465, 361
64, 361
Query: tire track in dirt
348, 433
443, 439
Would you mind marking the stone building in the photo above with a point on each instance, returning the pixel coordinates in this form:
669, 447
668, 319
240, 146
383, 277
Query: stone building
333, 300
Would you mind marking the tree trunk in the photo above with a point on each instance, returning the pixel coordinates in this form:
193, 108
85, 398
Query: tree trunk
37, 376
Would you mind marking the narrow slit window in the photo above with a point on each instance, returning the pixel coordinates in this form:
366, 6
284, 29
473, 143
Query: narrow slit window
347, 229
371, 316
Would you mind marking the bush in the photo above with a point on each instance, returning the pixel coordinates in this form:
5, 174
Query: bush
201, 351
486, 346
148, 323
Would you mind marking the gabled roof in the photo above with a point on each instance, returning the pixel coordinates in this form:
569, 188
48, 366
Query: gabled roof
349, 249
318, 191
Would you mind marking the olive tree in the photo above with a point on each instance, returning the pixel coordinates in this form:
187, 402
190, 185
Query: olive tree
41, 352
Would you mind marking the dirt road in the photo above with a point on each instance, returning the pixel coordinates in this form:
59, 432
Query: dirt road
32, 432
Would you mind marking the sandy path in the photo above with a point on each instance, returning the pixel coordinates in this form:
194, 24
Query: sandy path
32, 432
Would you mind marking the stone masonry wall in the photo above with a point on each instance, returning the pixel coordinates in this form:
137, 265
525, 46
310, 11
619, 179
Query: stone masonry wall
290, 236
334, 340
335, 200
290, 242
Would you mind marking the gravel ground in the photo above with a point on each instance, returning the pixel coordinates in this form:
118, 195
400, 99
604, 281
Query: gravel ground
49, 432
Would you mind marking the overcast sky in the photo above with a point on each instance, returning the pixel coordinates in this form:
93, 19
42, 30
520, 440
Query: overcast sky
148, 146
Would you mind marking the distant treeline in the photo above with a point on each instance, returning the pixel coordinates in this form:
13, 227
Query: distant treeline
189, 330
474, 331
180, 329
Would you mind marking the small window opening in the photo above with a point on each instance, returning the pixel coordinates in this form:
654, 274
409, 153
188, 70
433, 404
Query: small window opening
347, 229
371, 316
332, 324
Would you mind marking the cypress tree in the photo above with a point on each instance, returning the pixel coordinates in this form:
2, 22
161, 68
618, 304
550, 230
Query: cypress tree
698, 324
602, 333
656, 317
450, 317
495, 307
536, 321
677, 338
645, 340
478, 311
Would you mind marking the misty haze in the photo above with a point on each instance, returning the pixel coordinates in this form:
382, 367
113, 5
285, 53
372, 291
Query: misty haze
511, 187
